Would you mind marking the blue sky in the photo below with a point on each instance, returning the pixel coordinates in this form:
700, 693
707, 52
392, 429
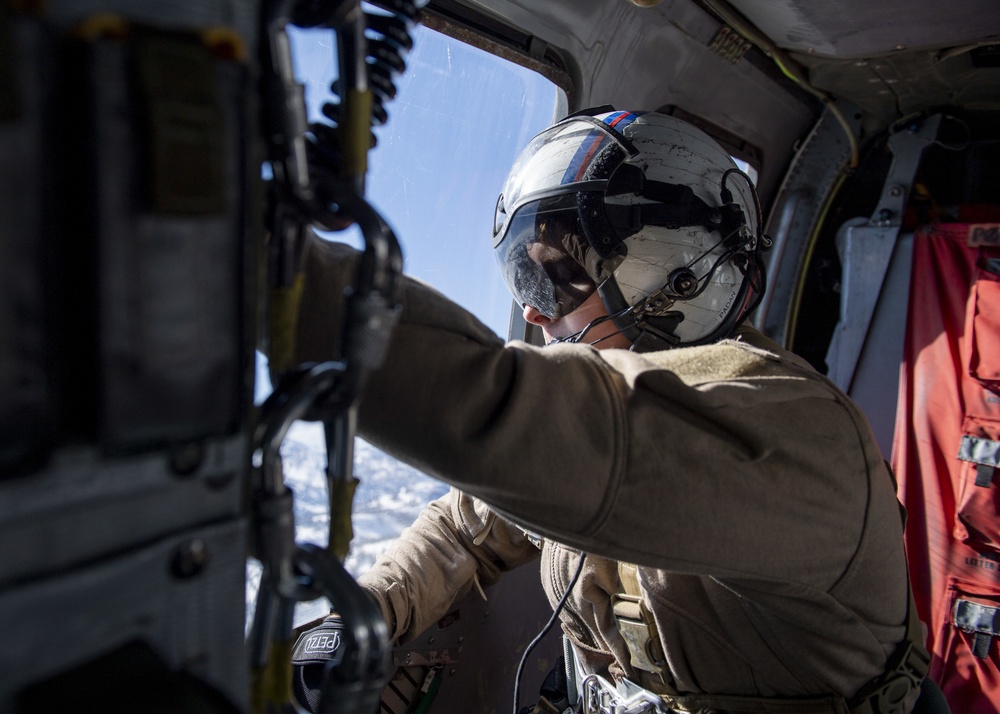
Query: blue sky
458, 122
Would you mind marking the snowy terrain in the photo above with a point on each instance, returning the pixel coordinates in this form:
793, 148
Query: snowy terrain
388, 499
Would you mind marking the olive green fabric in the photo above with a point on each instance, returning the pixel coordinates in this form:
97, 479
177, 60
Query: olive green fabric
747, 488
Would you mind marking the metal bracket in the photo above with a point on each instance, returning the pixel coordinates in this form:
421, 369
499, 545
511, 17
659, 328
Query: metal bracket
811, 178
865, 248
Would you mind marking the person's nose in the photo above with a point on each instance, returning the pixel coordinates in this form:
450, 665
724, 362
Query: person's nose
534, 317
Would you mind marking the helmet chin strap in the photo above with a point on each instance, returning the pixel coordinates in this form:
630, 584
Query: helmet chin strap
579, 335
651, 324
646, 332
649, 338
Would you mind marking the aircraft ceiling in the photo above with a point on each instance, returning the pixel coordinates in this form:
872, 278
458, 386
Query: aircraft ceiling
890, 57
850, 29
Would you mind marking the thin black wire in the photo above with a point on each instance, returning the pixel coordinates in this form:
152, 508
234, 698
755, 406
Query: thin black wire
545, 631
580, 334
704, 280
753, 194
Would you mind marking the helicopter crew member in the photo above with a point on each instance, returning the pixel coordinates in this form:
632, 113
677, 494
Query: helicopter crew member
716, 513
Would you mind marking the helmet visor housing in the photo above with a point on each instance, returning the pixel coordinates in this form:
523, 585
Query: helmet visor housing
564, 159
543, 250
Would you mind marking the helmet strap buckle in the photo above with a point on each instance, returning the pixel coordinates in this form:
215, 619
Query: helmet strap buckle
656, 304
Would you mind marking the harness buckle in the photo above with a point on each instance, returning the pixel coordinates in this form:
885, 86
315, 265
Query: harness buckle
638, 629
898, 689
599, 696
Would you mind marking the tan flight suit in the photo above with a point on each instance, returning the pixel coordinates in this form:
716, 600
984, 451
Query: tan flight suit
748, 488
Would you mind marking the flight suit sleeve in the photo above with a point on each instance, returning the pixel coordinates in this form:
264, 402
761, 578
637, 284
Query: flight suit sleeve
455, 544
458, 404
655, 459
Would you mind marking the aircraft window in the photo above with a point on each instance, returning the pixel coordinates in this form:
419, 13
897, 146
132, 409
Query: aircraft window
747, 168
458, 122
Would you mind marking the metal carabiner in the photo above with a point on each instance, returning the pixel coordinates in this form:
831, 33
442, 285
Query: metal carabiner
356, 684
274, 521
599, 696
281, 586
329, 196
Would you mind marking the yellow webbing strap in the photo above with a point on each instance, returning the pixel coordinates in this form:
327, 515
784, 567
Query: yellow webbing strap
283, 316
271, 686
183, 133
341, 528
637, 627
355, 132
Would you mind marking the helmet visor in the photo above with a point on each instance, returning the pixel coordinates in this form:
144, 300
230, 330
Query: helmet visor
542, 257
564, 158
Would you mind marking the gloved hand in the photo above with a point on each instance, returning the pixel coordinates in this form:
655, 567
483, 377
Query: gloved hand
314, 651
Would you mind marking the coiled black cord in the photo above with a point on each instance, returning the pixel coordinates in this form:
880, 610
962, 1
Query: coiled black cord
373, 65
388, 41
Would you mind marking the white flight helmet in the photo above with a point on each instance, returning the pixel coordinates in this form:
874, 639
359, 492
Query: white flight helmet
643, 208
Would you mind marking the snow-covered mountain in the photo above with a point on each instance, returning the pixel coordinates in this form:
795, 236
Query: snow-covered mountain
388, 499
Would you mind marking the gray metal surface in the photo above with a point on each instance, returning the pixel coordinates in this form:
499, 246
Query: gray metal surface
818, 164
875, 387
865, 248
83, 507
66, 619
861, 28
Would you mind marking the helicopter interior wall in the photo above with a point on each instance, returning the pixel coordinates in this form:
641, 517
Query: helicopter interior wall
859, 28
668, 59
478, 646
891, 58
957, 180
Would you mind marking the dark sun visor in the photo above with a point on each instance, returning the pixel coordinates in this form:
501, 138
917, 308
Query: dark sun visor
542, 257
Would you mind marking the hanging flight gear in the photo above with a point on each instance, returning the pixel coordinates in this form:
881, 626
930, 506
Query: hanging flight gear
319, 179
140, 132
946, 455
